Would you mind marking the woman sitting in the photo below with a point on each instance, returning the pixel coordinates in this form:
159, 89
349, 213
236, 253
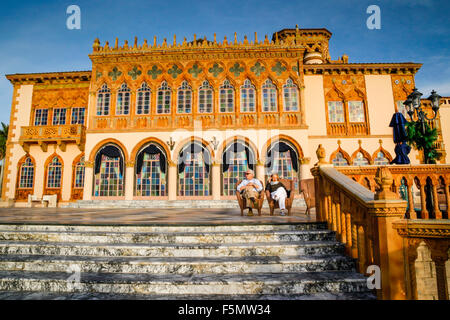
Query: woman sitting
278, 192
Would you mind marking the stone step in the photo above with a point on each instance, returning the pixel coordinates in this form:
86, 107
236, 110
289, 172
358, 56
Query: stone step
169, 237
30, 295
169, 284
172, 250
237, 227
298, 203
177, 265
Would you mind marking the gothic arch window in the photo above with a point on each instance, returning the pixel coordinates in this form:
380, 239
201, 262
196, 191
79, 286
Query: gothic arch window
103, 100
360, 160
339, 160
184, 98
164, 98
226, 97
193, 171
356, 111
143, 99
109, 172
54, 174
248, 97
269, 96
236, 159
283, 159
151, 172
205, 98
290, 96
123, 100
79, 174
381, 159
26, 174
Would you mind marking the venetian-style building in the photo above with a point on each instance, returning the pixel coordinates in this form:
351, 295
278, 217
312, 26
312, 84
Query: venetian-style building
184, 120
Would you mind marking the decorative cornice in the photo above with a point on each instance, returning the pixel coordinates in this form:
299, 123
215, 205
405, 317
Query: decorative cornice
69, 77
423, 228
362, 68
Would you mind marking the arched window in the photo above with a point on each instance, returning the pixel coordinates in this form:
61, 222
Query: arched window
269, 96
184, 98
236, 159
290, 96
360, 160
381, 159
193, 171
79, 174
26, 174
356, 111
205, 98
248, 97
164, 98
283, 160
143, 99
103, 100
226, 94
339, 160
123, 100
151, 172
54, 173
108, 172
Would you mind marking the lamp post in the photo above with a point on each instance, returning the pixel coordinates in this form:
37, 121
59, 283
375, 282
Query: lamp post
414, 107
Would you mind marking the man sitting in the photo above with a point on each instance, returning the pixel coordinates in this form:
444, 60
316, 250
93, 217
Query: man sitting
249, 188
278, 192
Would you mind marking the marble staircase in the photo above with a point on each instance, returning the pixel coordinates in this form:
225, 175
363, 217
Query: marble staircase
251, 261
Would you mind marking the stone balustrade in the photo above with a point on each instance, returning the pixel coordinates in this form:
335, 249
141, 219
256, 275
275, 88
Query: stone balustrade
59, 134
425, 187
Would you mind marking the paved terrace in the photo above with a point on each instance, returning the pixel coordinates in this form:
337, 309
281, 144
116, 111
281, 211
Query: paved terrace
145, 216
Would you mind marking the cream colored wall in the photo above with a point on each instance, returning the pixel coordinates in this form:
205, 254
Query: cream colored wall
315, 105
380, 102
16, 153
444, 113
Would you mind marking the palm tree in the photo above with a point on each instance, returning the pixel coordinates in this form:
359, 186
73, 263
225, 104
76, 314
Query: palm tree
3, 138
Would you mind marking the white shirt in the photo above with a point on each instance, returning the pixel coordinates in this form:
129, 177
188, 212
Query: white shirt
254, 181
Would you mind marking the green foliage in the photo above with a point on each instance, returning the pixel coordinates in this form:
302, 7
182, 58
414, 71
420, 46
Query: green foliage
422, 140
3, 138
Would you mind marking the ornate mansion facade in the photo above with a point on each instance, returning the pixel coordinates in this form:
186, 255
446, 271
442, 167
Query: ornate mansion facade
175, 121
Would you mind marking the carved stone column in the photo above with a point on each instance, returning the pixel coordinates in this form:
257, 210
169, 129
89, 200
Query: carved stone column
423, 203
437, 212
411, 211
260, 171
88, 180
172, 181
215, 180
129, 180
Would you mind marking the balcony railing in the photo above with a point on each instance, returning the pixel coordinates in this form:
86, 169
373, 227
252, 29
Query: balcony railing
61, 135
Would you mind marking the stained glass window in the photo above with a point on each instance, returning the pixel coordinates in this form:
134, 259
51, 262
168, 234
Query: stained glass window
79, 174
194, 180
381, 159
143, 99
247, 97
40, 117
103, 100
78, 115
360, 160
26, 174
184, 98
269, 96
282, 164
151, 180
54, 173
339, 160
290, 95
109, 182
205, 98
226, 97
164, 98
355, 111
123, 100
238, 164
335, 111
59, 116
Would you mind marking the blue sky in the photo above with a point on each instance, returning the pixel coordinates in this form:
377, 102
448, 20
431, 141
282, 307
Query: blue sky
34, 36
